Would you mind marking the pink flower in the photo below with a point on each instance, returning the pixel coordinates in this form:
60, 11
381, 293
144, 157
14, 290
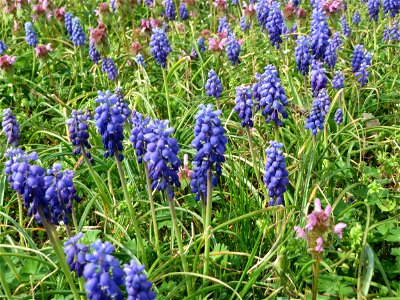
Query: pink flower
220, 4
98, 35
312, 221
300, 233
249, 9
219, 43
289, 10
333, 6
102, 9
6, 62
319, 248
338, 229
60, 13
136, 47
42, 51
185, 172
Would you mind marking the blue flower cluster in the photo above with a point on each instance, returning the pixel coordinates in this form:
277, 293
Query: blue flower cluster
121, 104
244, 105
183, 12
392, 33
359, 56
213, 85
391, 6
319, 33
303, 55
75, 254
363, 74
373, 9
137, 285
330, 53
276, 174
162, 157
68, 22
169, 9
159, 46
108, 66
140, 60
78, 132
271, 95
103, 273
233, 51
109, 123
223, 26
202, 47
338, 118
345, 26
210, 143
3, 47
315, 121
78, 35
244, 24
324, 101
356, 18
139, 129
275, 24
262, 9
31, 36
93, 53
318, 77
10, 127
338, 81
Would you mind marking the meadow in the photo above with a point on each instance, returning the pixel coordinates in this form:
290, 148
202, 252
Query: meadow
200, 149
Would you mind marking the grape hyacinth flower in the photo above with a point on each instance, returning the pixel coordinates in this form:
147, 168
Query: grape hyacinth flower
318, 226
121, 104
3, 47
169, 9
103, 273
244, 106
359, 56
200, 43
233, 51
338, 81
213, 85
345, 27
271, 95
68, 22
162, 157
109, 123
374, 7
338, 118
223, 26
78, 133
318, 77
325, 102
159, 46
244, 24
303, 55
275, 24
262, 9
108, 66
183, 12
210, 143
78, 35
60, 193
330, 53
137, 285
356, 18
31, 36
315, 121
140, 60
75, 254
276, 174
93, 53
320, 32
363, 74
139, 129
10, 127
391, 6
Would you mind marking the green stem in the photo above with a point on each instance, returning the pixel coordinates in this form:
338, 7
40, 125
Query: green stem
362, 254
207, 225
131, 210
21, 217
4, 284
152, 209
167, 96
315, 279
180, 244
59, 252
33, 64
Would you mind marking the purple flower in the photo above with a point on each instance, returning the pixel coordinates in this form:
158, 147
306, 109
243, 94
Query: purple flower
338, 81
183, 12
373, 9
108, 66
318, 77
78, 35
78, 132
31, 36
303, 54
68, 22
10, 127
318, 247
339, 228
93, 54
244, 105
338, 118
223, 26
210, 143
330, 53
159, 46
359, 56
140, 60
3, 47
391, 6
316, 119
356, 18
162, 157
75, 254
121, 104
169, 9
271, 95
244, 24
137, 285
213, 85
139, 129
345, 27
103, 273
109, 123
200, 43
275, 24
233, 51
276, 174
319, 33
363, 74
262, 9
